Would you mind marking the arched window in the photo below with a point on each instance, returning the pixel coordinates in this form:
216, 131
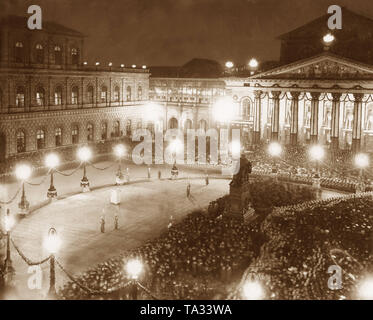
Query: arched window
40, 139
74, 56
58, 96
104, 94
57, 55
89, 132
104, 131
116, 131
128, 128
58, 137
139, 93
203, 125
187, 124
19, 54
20, 97
245, 109
173, 123
21, 142
90, 95
116, 94
74, 95
40, 96
39, 53
75, 134
128, 93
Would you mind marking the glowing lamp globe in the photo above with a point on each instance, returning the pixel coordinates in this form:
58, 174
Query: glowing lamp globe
134, 268
328, 38
229, 64
253, 291
52, 242
223, 109
253, 63
119, 150
8, 222
274, 149
365, 289
144, 66
317, 153
84, 154
52, 160
23, 172
361, 160
176, 145
133, 66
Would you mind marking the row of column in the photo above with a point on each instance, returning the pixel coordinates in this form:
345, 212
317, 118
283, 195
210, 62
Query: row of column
314, 127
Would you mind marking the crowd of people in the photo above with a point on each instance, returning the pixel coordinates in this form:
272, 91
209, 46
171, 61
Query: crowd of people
198, 258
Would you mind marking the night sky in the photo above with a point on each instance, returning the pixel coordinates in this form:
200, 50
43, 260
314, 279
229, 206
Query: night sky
171, 32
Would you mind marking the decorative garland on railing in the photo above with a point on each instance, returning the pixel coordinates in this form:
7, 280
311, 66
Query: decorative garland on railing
25, 259
41, 182
13, 198
102, 169
71, 173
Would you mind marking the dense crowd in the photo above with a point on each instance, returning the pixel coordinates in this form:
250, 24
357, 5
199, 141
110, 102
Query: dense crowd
198, 258
306, 239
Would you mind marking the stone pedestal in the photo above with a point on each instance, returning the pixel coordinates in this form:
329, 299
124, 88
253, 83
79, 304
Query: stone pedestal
239, 199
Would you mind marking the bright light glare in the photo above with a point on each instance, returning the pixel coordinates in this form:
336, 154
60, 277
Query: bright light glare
328, 38
253, 63
52, 160
224, 109
229, 64
253, 291
119, 150
361, 160
134, 268
236, 149
8, 222
84, 154
274, 149
53, 242
144, 66
133, 66
365, 289
176, 145
317, 152
23, 172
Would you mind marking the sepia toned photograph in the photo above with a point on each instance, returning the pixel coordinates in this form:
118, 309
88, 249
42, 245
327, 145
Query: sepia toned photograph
166, 152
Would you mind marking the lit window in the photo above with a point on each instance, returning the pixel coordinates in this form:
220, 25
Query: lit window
57, 55
20, 97
90, 132
103, 94
21, 142
58, 137
90, 95
75, 135
19, 52
40, 139
74, 95
40, 97
129, 93
116, 94
139, 93
104, 131
74, 56
58, 96
39, 55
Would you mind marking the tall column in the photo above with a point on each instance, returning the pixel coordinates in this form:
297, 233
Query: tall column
314, 132
257, 115
335, 120
294, 118
275, 125
356, 129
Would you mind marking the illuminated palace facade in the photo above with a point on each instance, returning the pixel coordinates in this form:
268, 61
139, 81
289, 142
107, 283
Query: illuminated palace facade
319, 92
50, 99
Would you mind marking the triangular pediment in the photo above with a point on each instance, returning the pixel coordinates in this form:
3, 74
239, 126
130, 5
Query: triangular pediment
325, 66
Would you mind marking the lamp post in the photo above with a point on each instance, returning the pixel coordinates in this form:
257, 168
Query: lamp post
119, 152
328, 39
52, 243
52, 162
175, 147
84, 155
134, 268
253, 290
23, 172
8, 267
253, 65
317, 154
274, 149
361, 162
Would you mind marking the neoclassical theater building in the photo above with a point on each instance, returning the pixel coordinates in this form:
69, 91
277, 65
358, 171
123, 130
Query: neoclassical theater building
321, 90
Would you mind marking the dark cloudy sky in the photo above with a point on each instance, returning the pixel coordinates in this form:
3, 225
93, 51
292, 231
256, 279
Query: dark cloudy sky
171, 32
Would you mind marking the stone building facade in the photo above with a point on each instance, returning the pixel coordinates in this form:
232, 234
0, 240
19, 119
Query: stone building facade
50, 99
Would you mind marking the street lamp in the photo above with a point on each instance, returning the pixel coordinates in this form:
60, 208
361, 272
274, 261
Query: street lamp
8, 268
274, 149
253, 65
365, 289
176, 146
23, 172
317, 154
52, 243
52, 161
328, 39
134, 268
361, 162
84, 155
253, 290
119, 151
